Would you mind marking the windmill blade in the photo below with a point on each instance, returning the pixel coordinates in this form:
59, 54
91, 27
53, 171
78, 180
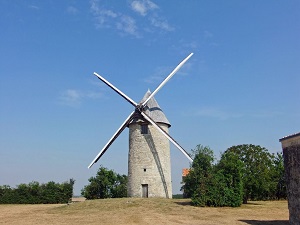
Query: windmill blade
167, 78
118, 132
167, 135
116, 90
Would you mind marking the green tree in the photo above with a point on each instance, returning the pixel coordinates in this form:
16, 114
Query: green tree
6, 194
230, 170
278, 177
119, 189
34, 193
50, 193
67, 190
195, 183
34, 190
257, 171
22, 194
214, 185
106, 184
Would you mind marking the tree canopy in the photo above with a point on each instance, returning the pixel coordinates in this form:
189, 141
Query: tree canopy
35, 193
262, 172
106, 184
213, 185
244, 172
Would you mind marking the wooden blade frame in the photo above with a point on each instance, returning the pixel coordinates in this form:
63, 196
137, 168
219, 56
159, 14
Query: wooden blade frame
113, 138
166, 135
116, 90
167, 78
140, 108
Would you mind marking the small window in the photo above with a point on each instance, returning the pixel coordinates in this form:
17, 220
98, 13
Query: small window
144, 129
145, 169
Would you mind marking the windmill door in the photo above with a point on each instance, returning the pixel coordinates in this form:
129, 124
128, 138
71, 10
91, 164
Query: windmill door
145, 190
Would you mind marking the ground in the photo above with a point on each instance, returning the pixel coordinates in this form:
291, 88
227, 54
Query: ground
145, 211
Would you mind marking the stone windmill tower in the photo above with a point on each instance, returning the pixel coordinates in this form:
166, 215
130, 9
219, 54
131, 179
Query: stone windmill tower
149, 169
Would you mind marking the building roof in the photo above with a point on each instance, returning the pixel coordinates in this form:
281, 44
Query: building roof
185, 172
290, 136
153, 110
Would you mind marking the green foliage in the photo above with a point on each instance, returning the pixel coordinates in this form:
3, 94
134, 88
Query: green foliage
177, 196
214, 185
200, 171
119, 189
229, 169
106, 184
244, 172
6, 194
279, 189
262, 172
34, 193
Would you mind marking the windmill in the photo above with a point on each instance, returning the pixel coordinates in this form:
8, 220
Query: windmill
149, 169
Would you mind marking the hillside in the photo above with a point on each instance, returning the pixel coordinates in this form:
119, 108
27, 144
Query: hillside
144, 211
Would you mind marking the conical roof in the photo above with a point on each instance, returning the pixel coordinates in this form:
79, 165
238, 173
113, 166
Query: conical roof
153, 110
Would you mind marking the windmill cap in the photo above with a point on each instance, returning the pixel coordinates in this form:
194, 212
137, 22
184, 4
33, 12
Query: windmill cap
153, 110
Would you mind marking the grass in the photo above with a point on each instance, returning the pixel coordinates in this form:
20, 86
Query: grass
145, 211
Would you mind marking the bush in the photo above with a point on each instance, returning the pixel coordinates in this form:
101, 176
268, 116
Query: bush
243, 172
106, 184
34, 193
214, 185
262, 173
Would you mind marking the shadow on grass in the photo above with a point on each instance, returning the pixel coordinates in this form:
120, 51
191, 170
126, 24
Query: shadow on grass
184, 203
252, 203
266, 222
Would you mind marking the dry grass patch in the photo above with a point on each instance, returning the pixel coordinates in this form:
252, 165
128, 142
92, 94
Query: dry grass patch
144, 211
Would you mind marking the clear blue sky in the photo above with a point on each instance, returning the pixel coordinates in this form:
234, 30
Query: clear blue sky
240, 87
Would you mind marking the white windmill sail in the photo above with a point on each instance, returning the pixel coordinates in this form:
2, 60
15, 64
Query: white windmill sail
141, 109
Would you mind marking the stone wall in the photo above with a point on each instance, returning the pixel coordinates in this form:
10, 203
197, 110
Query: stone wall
149, 162
291, 154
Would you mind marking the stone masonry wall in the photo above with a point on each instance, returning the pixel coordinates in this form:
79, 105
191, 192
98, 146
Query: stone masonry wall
291, 156
149, 162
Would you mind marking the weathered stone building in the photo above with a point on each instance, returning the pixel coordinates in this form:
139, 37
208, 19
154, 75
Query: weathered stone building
149, 166
291, 154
